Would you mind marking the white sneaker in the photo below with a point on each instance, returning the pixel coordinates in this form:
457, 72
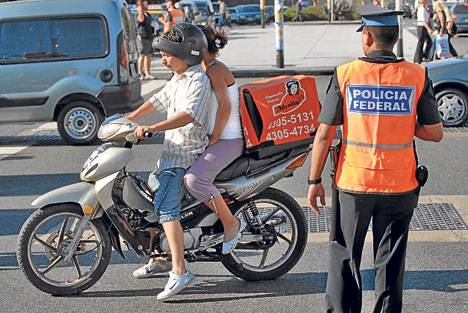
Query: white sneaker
231, 244
176, 284
151, 269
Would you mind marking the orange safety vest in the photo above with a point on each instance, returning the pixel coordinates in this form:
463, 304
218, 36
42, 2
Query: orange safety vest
379, 121
177, 17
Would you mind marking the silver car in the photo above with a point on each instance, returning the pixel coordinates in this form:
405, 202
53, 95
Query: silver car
450, 80
67, 62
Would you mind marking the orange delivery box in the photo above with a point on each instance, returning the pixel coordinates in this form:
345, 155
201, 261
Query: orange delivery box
278, 114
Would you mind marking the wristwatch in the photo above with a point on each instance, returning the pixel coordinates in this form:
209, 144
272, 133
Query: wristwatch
314, 181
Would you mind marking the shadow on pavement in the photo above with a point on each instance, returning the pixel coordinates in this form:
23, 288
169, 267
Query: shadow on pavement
215, 290
38, 184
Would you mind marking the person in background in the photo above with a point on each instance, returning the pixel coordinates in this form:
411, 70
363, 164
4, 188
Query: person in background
298, 7
424, 45
442, 22
221, 13
144, 40
171, 16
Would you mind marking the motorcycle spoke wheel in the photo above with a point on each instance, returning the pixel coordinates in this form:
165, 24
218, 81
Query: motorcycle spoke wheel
278, 216
48, 247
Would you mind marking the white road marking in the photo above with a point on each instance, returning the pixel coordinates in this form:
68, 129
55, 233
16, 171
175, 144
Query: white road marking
10, 150
7, 151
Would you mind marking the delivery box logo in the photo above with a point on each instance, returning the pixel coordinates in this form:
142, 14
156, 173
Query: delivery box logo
294, 97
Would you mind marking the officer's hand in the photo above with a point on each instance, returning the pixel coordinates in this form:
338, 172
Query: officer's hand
140, 131
314, 192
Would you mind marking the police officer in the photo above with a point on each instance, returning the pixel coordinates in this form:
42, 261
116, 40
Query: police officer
382, 103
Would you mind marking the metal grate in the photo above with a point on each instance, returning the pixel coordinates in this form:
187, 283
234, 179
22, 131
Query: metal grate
431, 216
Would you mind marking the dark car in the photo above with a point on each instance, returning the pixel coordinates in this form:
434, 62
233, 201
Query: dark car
407, 10
460, 16
269, 13
450, 79
247, 14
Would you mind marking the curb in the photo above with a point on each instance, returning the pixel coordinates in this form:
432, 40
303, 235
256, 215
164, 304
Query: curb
357, 22
243, 73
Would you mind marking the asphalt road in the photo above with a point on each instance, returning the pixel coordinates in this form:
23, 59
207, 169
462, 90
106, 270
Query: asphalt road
437, 277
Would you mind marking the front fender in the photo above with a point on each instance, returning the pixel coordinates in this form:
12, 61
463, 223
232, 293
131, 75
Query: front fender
81, 193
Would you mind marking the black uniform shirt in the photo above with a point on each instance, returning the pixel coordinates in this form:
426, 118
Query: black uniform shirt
332, 107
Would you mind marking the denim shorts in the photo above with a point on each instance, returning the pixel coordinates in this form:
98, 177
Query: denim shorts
169, 193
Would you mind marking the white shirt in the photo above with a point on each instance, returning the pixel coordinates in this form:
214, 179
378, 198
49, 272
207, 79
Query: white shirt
422, 15
189, 92
233, 128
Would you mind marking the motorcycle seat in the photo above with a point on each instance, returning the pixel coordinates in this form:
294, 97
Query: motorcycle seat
246, 165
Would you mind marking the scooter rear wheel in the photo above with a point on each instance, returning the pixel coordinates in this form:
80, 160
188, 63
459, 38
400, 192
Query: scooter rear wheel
279, 211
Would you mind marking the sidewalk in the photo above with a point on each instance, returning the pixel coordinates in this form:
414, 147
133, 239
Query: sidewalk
314, 49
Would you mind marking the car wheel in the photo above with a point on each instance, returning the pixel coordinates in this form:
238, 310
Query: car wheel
453, 106
78, 122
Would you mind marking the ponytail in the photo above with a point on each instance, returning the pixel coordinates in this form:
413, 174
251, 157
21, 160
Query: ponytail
216, 39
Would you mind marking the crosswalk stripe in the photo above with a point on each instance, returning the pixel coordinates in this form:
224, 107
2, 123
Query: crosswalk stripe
11, 150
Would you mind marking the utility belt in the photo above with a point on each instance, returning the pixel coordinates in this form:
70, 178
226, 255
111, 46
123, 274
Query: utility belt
422, 173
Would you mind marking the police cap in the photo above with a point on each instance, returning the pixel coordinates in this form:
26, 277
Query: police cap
377, 17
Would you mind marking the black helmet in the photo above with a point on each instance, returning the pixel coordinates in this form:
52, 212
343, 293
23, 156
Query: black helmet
192, 47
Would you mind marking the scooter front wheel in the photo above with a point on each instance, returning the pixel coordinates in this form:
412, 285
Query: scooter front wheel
42, 247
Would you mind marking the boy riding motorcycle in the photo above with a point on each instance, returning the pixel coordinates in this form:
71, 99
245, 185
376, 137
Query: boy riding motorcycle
186, 99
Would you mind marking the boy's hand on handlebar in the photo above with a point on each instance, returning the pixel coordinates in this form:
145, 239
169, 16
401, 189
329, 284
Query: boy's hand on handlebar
314, 192
141, 130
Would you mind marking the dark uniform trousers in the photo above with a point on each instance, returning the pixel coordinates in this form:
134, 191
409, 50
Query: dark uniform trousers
351, 215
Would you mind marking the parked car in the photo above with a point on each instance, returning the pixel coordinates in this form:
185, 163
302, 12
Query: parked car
233, 14
246, 14
270, 13
204, 12
450, 80
407, 10
459, 13
67, 62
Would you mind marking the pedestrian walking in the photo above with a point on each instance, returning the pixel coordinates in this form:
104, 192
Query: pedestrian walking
145, 34
382, 103
222, 14
298, 8
424, 28
442, 23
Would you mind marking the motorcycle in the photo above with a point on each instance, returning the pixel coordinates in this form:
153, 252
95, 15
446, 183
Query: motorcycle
65, 246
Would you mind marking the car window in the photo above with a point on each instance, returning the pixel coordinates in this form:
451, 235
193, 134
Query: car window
21, 39
202, 7
79, 37
249, 8
461, 9
54, 38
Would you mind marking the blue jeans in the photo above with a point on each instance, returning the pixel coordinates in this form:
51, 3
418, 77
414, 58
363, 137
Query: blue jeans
169, 194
